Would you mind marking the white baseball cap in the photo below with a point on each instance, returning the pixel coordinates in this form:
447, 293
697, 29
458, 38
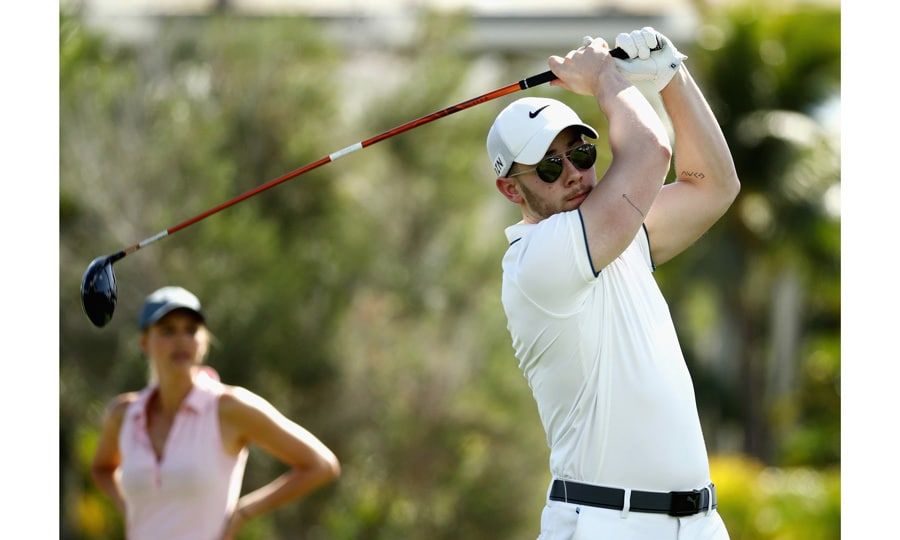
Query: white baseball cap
524, 130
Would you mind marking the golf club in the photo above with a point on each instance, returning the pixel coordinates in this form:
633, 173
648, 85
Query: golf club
99, 292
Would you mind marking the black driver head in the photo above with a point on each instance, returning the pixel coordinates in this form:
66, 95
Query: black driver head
98, 290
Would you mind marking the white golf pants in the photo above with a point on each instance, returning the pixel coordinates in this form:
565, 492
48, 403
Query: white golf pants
568, 521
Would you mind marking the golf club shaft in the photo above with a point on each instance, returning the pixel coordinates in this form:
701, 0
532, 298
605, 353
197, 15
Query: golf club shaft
515, 87
526, 83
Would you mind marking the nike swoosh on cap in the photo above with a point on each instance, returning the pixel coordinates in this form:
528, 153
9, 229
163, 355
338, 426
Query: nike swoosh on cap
533, 114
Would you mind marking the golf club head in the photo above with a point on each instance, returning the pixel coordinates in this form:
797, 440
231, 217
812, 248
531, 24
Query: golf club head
98, 290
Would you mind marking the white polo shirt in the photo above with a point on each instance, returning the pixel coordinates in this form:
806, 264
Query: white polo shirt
602, 359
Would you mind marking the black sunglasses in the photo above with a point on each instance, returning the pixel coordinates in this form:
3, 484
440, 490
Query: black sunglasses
549, 168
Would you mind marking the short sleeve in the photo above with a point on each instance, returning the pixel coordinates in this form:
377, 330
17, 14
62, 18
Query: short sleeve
643, 239
552, 265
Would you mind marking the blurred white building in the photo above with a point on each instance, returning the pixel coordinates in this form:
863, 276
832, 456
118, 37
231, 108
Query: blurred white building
495, 24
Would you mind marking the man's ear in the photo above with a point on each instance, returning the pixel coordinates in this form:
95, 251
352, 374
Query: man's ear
509, 189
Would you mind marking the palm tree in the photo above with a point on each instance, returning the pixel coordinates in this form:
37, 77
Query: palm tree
770, 268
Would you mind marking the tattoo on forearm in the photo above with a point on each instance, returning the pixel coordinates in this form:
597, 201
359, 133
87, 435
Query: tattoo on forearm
693, 174
632, 205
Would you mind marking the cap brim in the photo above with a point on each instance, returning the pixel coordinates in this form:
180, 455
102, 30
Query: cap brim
537, 147
155, 317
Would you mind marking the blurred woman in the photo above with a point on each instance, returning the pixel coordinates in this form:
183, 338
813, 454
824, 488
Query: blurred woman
172, 456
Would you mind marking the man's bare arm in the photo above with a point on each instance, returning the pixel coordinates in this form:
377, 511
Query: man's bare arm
706, 181
618, 205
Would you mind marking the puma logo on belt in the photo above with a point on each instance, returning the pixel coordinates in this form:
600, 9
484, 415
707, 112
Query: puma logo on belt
533, 114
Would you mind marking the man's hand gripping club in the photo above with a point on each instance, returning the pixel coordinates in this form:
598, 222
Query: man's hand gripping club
652, 59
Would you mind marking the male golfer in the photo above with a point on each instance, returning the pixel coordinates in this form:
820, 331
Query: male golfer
590, 328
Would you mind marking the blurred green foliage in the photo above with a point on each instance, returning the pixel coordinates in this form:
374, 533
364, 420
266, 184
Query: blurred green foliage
771, 503
770, 269
362, 299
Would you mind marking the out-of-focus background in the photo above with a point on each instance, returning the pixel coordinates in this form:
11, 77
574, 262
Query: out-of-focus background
363, 298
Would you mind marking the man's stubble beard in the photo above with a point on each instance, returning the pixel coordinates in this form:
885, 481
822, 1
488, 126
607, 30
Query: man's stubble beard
535, 204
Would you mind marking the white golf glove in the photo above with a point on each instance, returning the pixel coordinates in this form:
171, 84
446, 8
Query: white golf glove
650, 71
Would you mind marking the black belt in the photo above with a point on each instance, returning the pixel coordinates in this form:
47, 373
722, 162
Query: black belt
674, 503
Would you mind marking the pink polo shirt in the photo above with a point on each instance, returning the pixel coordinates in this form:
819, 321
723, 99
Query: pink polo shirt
193, 488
